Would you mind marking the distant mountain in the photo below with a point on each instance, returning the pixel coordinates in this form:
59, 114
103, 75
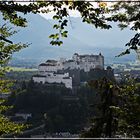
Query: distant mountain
82, 38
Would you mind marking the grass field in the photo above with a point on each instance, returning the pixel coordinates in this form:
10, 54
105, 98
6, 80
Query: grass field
21, 69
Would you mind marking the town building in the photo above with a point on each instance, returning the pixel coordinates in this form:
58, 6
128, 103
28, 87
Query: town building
4, 95
138, 56
24, 115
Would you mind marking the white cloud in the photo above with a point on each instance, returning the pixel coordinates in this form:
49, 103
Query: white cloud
72, 13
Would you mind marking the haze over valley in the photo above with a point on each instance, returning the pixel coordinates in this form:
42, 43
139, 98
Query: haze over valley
82, 38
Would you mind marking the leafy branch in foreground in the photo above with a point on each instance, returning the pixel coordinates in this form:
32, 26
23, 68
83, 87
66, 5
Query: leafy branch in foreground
89, 14
127, 14
133, 45
7, 127
7, 48
60, 27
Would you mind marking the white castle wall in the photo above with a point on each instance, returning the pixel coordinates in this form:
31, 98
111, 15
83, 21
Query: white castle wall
86, 62
70, 65
39, 79
54, 78
47, 68
57, 79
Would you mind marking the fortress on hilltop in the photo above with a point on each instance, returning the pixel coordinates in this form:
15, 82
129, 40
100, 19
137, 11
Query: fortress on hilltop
49, 72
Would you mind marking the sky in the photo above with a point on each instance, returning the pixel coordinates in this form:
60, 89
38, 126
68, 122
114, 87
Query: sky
74, 13
50, 15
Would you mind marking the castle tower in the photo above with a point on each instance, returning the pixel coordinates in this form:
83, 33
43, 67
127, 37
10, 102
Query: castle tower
101, 60
75, 57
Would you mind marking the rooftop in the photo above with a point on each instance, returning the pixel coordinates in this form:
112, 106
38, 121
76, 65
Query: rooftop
43, 64
37, 75
66, 78
51, 61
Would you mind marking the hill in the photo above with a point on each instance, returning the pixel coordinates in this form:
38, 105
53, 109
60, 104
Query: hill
82, 38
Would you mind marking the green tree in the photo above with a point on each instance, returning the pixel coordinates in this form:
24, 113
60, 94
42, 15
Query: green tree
105, 123
119, 112
7, 48
129, 110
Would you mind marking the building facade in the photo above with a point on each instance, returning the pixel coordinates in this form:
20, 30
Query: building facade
138, 56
